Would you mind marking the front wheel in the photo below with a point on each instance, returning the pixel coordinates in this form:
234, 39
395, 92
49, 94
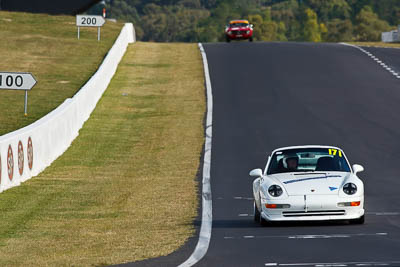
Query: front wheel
251, 39
263, 222
228, 40
360, 220
258, 217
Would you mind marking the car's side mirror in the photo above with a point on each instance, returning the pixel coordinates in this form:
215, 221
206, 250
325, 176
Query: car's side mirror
256, 173
251, 25
357, 168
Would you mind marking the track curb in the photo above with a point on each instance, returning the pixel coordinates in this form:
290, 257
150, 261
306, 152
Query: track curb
206, 218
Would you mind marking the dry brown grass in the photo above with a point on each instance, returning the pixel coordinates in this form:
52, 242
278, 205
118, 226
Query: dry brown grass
126, 188
376, 44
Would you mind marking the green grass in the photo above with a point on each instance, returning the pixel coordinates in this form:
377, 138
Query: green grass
377, 44
47, 46
126, 189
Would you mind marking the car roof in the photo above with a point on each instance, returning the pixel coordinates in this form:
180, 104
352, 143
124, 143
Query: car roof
304, 146
239, 21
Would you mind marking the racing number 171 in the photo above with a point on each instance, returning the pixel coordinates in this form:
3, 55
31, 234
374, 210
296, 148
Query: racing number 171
333, 152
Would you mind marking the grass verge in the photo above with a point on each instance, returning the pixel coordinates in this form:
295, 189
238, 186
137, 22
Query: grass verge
48, 47
126, 189
377, 44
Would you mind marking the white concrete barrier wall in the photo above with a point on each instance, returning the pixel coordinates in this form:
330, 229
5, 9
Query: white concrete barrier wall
387, 37
28, 151
392, 36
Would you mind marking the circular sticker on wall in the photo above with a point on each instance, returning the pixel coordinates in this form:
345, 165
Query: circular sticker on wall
10, 163
20, 158
30, 153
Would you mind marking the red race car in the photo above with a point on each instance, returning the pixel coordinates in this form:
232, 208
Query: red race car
239, 30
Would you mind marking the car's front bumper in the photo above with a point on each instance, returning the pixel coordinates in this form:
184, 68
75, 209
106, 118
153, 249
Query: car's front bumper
313, 208
239, 36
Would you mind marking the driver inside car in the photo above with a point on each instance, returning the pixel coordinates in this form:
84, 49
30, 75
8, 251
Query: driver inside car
290, 162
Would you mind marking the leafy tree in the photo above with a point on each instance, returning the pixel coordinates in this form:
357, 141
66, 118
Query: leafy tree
257, 21
287, 11
311, 29
265, 29
281, 31
293, 20
171, 23
330, 9
339, 30
192, 4
368, 26
324, 31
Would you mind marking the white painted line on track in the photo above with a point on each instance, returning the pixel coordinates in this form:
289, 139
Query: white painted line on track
331, 264
320, 236
243, 198
384, 213
373, 57
206, 218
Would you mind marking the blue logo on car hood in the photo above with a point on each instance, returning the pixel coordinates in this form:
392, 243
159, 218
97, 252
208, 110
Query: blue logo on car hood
332, 188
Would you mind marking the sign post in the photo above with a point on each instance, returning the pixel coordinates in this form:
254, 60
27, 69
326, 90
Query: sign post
18, 81
90, 21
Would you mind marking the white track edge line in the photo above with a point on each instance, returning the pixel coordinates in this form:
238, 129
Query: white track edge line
206, 218
383, 65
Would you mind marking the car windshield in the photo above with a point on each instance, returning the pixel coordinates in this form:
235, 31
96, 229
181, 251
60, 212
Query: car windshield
308, 160
239, 24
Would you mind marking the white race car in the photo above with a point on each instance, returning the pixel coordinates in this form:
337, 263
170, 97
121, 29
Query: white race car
308, 183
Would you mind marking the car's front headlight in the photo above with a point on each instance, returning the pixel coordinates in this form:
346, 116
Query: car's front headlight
350, 188
275, 190
229, 32
247, 32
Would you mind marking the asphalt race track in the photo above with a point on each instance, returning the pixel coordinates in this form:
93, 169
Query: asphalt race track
391, 56
268, 95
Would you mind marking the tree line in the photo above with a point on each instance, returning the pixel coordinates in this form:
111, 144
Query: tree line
273, 20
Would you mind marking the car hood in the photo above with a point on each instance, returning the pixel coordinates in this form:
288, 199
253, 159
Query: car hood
319, 183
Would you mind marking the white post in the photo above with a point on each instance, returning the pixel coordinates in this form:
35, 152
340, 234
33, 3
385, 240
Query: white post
78, 32
26, 103
98, 33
